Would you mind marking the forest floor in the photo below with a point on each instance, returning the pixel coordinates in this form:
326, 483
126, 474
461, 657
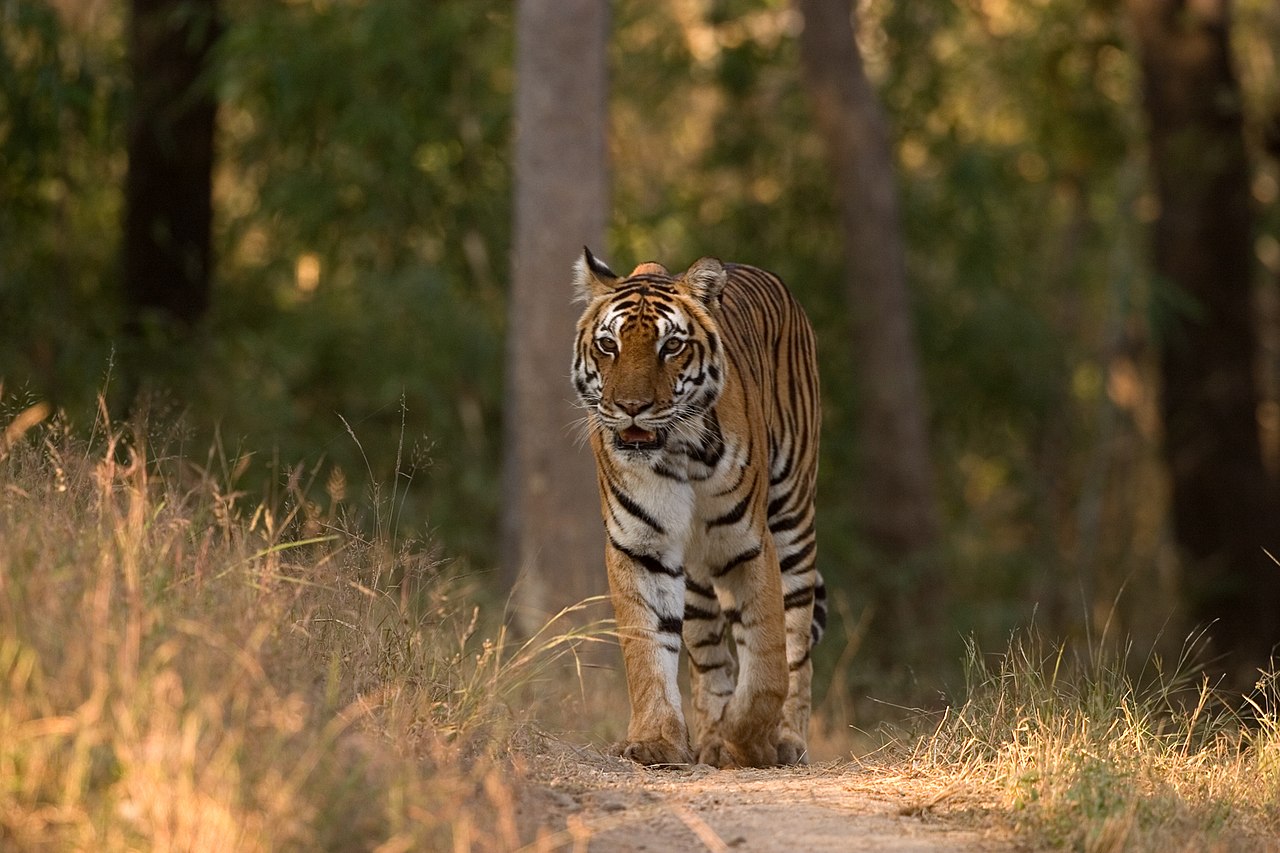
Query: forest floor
598, 803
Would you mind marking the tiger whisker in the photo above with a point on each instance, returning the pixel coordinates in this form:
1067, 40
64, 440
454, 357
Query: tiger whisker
580, 429
690, 422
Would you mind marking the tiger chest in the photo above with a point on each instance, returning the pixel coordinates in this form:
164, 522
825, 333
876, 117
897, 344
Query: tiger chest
692, 510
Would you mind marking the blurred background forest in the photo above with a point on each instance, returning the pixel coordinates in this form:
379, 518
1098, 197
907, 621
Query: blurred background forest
357, 315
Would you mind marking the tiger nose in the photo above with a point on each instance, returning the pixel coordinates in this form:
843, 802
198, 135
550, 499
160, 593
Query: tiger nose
633, 407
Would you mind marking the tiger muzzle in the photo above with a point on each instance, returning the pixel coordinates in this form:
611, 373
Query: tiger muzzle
636, 437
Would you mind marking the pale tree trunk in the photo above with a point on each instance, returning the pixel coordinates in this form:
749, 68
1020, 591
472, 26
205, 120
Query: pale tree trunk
1225, 508
901, 505
553, 544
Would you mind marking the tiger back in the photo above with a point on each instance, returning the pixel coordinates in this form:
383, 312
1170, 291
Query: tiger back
703, 413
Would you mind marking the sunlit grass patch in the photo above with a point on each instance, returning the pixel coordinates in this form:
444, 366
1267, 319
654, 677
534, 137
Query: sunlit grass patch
1082, 756
184, 669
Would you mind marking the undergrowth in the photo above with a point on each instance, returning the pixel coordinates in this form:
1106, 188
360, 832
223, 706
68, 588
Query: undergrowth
1085, 756
184, 669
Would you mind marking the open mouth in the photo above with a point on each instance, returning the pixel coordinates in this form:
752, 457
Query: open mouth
637, 438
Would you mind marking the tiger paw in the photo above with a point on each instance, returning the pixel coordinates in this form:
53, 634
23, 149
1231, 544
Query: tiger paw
755, 754
655, 752
722, 754
715, 752
791, 749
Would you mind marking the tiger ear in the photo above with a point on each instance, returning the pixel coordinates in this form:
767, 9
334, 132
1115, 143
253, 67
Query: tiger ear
706, 278
591, 277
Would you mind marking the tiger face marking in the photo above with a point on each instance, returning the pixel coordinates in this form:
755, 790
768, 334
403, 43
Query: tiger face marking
702, 402
649, 361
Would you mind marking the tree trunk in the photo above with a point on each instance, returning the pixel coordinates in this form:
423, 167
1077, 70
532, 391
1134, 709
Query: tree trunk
901, 503
553, 544
168, 191
1225, 508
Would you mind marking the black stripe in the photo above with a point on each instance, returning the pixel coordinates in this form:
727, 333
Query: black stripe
734, 615
707, 642
650, 563
793, 667
670, 624
798, 557
634, 508
742, 475
798, 598
663, 471
644, 282
749, 554
694, 381
819, 610
624, 304
693, 613
784, 473
706, 667
704, 591
712, 448
786, 522
734, 515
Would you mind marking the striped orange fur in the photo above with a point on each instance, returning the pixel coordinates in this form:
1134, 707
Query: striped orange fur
703, 409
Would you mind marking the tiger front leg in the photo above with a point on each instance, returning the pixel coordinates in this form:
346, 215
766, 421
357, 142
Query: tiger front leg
712, 669
745, 734
648, 603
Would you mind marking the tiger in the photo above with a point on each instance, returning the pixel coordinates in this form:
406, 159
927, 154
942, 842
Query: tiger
703, 412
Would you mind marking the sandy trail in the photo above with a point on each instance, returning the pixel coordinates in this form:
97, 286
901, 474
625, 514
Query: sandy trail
602, 804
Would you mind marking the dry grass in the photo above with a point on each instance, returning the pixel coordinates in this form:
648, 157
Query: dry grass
184, 669
181, 669
1080, 756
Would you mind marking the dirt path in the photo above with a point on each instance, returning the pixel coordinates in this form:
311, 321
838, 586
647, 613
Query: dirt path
603, 804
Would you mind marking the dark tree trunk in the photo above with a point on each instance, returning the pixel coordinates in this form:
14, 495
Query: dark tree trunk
553, 540
168, 191
901, 503
1225, 508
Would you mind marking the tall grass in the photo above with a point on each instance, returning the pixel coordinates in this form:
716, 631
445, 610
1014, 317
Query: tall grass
1085, 756
184, 669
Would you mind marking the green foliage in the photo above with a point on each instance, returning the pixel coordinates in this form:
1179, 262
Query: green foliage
1018, 156
362, 227
1044, 164
61, 182
363, 233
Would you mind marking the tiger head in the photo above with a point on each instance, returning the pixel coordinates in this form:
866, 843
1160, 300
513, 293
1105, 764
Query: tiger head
648, 359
